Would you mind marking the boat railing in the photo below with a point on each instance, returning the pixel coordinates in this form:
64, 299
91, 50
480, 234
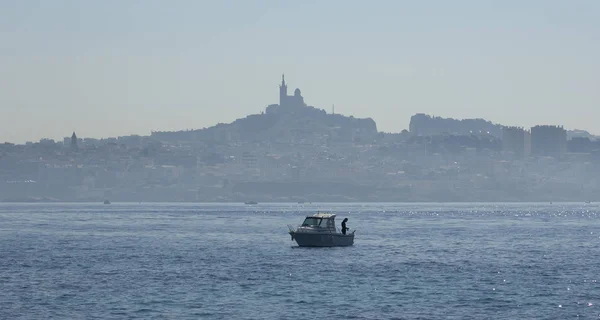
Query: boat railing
292, 228
348, 231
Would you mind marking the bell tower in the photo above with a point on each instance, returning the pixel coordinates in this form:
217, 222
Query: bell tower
282, 91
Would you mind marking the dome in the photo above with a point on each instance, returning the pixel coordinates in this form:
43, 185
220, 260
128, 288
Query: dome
297, 92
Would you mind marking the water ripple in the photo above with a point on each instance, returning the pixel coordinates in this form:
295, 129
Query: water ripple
216, 261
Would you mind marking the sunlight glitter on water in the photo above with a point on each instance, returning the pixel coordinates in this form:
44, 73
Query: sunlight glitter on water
510, 261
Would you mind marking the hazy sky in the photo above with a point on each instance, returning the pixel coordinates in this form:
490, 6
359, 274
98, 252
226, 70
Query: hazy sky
112, 67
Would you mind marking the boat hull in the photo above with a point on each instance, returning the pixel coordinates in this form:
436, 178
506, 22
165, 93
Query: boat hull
321, 239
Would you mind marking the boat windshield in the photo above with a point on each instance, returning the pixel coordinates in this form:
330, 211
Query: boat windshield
311, 222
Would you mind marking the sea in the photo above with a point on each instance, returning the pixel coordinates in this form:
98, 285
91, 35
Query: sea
237, 261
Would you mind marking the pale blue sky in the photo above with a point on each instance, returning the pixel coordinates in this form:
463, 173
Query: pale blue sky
112, 67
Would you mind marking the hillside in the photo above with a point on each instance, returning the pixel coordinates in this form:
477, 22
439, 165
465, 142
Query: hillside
280, 124
426, 125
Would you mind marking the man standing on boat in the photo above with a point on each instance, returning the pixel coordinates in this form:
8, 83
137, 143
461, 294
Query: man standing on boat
344, 225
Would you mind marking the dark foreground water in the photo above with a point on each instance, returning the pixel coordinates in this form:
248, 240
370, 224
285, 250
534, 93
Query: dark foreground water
409, 261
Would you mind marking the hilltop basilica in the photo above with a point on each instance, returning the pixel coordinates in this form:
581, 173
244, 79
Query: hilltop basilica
285, 101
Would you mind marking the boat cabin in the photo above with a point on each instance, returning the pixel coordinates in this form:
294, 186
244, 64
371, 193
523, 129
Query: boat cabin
320, 220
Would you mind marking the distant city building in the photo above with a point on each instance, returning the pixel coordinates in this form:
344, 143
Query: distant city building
517, 141
527, 143
74, 141
548, 140
425, 125
249, 160
46, 142
582, 145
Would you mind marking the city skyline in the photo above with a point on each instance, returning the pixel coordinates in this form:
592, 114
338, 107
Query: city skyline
295, 101
156, 67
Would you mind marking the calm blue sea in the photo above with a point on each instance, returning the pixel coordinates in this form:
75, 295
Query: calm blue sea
236, 261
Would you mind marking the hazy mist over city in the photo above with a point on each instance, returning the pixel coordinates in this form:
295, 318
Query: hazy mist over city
381, 101
308, 159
